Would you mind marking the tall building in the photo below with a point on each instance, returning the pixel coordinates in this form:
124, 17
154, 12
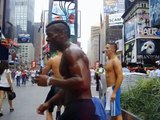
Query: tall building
94, 45
1, 12
37, 42
8, 22
141, 37
6, 25
26, 54
24, 19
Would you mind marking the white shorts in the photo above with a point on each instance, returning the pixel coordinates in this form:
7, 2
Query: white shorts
113, 106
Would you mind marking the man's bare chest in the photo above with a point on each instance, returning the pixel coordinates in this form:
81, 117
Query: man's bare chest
109, 67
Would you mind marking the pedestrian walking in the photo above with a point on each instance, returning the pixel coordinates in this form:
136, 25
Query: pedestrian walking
18, 77
5, 84
33, 74
24, 75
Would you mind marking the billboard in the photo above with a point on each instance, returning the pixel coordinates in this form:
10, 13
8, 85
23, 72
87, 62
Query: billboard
155, 12
115, 19
128, 4
113, 6
148, 49
130, 51
66, 11
23, 38
129, 29
142, 21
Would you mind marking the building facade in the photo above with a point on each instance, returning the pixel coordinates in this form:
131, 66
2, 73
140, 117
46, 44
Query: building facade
26, 54
8, 22
141, 40
37, 43
24, 19
94, 53
1, 12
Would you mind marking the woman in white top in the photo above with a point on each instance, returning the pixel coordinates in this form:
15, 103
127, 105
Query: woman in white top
5, 84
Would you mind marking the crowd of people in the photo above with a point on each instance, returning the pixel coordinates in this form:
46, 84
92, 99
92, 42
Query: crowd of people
9, 78
152, 72
22, 75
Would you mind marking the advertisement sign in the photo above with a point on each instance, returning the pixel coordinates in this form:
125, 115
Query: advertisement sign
128, 4
119, 44
148, 49
115, 19
129, 29
130, 51
113, 6
142, 21
23, 38
155, 12
64, 11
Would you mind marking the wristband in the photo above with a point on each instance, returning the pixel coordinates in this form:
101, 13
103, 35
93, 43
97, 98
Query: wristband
48, 80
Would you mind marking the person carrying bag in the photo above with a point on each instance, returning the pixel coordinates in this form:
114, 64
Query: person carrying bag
5, 84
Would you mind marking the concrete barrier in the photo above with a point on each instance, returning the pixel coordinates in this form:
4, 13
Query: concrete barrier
129, 116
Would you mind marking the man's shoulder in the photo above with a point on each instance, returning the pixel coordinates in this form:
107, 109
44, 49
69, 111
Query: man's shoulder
73, 49
116, 60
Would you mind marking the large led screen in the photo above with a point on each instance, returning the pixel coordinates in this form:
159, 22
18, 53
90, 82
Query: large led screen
62, 10
129, 29
113, 6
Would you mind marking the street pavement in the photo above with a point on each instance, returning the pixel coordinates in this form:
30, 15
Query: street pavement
28, 98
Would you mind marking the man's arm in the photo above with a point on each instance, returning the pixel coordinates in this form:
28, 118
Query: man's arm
56, 98
48, 67
78, 69
119, 75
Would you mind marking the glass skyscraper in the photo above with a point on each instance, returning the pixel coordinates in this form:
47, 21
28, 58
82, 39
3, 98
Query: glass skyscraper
24, 18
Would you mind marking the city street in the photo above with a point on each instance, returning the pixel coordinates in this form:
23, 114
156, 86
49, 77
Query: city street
28, 98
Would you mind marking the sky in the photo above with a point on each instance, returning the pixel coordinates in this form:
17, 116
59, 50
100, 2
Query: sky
90, 16
39, 6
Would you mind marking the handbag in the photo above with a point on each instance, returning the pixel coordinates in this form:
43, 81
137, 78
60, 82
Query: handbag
11, 95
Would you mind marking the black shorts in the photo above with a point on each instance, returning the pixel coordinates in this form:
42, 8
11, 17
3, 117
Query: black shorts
51, 93
5, 89
83, 109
